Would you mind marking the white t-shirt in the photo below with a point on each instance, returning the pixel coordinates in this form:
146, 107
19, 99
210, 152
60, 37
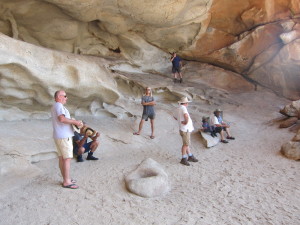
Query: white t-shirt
214, 120
60, 130
180, 118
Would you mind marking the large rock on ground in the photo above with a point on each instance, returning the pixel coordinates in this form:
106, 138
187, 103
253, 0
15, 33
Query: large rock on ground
292, 109
208, 140
288, 122
148, 180
291, 150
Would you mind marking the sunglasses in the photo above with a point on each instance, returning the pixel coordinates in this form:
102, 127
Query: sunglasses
64, 96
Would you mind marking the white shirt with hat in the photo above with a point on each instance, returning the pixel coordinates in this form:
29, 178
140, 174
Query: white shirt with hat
184, 127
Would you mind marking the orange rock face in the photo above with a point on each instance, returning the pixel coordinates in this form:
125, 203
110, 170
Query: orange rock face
258, 39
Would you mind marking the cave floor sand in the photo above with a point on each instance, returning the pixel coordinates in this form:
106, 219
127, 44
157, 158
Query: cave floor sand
244, 182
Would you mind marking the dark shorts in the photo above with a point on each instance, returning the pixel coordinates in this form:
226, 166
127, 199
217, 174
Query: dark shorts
176, 69
151, 117
219, 129
87, 147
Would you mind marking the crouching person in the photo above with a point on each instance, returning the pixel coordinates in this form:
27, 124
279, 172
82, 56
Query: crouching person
81, 144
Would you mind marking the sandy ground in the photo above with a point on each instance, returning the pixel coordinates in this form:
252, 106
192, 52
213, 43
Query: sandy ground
244, 182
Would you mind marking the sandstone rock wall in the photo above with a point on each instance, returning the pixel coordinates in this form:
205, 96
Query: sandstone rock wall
258, 39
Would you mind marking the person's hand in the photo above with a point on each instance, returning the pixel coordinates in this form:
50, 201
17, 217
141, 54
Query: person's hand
86, 135
78, 123
97, 135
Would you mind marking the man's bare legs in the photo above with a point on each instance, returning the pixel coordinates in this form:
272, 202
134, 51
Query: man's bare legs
64, 165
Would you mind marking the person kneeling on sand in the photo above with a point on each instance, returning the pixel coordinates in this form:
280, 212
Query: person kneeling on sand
221, 126
80, 144
185, 128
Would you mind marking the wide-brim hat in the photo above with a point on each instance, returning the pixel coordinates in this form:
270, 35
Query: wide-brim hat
184, 100
77, 128
88, 131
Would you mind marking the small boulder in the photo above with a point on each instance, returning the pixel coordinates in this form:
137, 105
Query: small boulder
292, 109
291, 150
209, 141
148, 180
297, 136
289, 122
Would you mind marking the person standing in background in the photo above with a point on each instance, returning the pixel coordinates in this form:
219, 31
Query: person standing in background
148, 111
176, 67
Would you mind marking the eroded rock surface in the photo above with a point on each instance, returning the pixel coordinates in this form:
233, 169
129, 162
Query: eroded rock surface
256, 39
208, 140
291, 150
148, 180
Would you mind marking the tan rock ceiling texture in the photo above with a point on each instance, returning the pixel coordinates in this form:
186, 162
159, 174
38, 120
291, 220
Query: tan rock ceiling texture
259, 39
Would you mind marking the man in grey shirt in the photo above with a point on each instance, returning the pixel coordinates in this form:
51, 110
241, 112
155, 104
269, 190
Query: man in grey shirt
62, 135
148, 111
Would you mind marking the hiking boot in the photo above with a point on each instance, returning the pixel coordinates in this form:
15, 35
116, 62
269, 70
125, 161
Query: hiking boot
184, 161
90, 157
79, 158
175, 80
192, 159
180, 81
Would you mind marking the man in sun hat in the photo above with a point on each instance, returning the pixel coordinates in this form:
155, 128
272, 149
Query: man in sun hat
185, 128
81, 144
62, 135
221, 126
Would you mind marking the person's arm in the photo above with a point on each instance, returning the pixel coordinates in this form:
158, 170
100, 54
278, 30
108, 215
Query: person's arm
149, 103
63, 119
186, 119
77, 140
95, 137
82, 141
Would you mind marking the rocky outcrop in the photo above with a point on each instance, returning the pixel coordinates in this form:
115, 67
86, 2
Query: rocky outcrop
256, 39
148, 180
208, 140
292, 109
291, 150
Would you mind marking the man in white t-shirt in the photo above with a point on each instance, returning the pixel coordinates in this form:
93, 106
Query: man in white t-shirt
185, 128
62, 135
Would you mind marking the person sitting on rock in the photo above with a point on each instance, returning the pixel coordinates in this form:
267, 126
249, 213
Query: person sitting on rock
221, 126
81, 144
206, 127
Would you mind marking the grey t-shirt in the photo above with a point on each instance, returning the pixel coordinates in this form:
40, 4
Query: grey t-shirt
148, 109
60, 130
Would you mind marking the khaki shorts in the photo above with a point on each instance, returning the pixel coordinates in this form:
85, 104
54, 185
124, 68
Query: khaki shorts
186, 137
64, 147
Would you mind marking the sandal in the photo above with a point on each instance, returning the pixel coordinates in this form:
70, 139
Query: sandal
136, 133
230, 137
152, 137
71, 186
224, 141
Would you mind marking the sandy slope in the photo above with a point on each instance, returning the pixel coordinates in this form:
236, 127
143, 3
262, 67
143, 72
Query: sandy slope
244, 182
